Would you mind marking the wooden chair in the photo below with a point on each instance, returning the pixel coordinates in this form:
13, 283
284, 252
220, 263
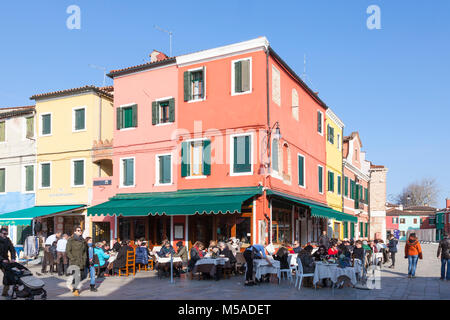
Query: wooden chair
240, 261
130, 263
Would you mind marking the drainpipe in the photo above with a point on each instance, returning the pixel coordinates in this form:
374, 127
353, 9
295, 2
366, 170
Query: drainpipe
268, 145
99, 129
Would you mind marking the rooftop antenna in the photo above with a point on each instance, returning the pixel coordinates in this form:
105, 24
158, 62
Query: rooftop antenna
102, 69
170, 37
305, 77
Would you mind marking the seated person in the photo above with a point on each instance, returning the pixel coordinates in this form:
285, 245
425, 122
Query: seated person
307, 259
116, 245
224, 250
282, 256
102, 258
297, 247
320, 254
212, 245
141, 253
121, 259
166, 250
358, 251
333, 251
182, 253
196, 254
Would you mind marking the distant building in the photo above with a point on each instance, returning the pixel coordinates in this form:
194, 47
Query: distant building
443, 220
410, 218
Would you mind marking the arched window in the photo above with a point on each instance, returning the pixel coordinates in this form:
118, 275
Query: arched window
295, 105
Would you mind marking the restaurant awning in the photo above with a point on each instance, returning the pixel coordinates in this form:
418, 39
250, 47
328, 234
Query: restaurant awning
23, 217
181, 202
317, 209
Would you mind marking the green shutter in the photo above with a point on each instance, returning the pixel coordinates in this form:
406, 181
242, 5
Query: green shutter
46, 124
166, 169
275, 155
366, 195
245, 75
320, 179
352, 230
3, 180
45, 172
207, 157
128, 171
242, 154
203, 82
29, 178
346, 186
238, 76
78, 172
172, 110
2, 131
185, 156
119, 118
356, 195
345, 223
134, 113
319, 122
187, 85
361, 229
301, 173
80, 119
155, 113
366, 229
339, 183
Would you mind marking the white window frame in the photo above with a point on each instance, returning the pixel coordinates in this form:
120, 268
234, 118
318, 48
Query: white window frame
323, 171
159, 124
121, 172
322, 123
131, 128
40, 175
189, 141
252, 146
157, 184
85, 118
202, 68
24, 178
233, 80
24, 123
6, 179
72, 173
41, 126
304, 171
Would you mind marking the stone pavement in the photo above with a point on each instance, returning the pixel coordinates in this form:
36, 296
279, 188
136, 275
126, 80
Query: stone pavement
145, 285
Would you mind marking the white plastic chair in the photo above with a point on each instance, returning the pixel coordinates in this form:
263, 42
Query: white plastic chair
288, 272
299, 275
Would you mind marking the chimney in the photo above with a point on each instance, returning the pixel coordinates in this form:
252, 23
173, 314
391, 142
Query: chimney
157, 56
447, 203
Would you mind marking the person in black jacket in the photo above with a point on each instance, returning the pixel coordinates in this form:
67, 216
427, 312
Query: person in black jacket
444, 253
5, 247
196, 254
121, 259
392, 246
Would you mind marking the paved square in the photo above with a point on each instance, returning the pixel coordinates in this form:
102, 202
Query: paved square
146, 285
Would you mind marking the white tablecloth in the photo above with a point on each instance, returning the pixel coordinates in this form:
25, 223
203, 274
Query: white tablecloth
112, 257
167, 260
217, 261
293, 259
261, 266
332, 272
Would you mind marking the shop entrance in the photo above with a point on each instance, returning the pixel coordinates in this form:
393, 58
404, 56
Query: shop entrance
101, 232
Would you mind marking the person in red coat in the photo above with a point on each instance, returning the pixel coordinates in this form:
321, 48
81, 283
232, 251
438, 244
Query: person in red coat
333, 251
413, 252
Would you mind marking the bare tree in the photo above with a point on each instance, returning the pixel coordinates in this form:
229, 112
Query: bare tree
420, 193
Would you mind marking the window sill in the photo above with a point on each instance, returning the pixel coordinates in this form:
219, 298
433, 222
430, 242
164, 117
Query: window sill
133, 186
240, 93
127, 129
28, 192
44, 188
80, 186
237, 174
81, 130
45, 135
196, 100
196, 177
164, 124
162, 184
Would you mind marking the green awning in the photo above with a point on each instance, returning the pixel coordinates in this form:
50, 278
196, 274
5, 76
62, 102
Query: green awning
317, 209
182, 202
23, 217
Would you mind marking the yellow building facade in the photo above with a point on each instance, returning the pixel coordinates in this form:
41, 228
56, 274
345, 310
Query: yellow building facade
67, 124
334, 176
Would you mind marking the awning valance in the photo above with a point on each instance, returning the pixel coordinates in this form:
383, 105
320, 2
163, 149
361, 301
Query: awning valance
23, 217
182, 202
317, 209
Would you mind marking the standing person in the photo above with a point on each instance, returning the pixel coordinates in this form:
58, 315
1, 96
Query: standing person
76, 251
324, 240
444, 252
48, 257
255, 251
5, 247
392, 246
62, 263
413, 252
90, 263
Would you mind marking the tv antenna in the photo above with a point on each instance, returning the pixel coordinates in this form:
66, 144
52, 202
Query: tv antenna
305, 77
102, 69
170, 37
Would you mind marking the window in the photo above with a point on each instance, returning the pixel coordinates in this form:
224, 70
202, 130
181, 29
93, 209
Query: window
366, 196
163, 169
330, 181
275, 156
352, 189
194, 84
301, 170
339, 183
402, 220
163, 111
127, 117
241, 75
196, 158
319, 122
45, 175
352, 230
29, 178
345, 223
330, 134
2, 131
29, 133
276, 86
366, 229
295, 105
320, 175
241, 154
127, 174
77, 173
361, 229
339, 142
345, 186
79, 119
2, 180
46, 121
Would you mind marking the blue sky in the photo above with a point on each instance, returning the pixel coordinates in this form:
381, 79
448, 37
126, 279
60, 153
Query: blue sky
391, 85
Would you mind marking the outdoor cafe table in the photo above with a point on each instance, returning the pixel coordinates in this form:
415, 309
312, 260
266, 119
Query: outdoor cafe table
261, 266
331, 271
112, 257
209, 265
